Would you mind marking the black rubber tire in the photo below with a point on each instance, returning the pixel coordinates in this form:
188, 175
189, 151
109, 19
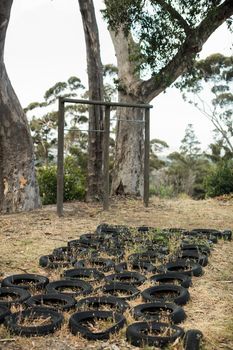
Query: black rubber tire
100, 264
201, 259
151, 312
30, 281
152, 294
149, 257
80, 273
121, 267
52, 262
12, 322
112, 288
82, 286
57, 301
93, 247
77, 319
227, 235
192, 339
4, 311
116, 254
62, 252
211, 234
131, 277
146, 229
181, 265
77, 248
114, 303
207, 232
81, 264
175, 230
142, 266
74, 243
213, 239
202, 249
136, 334
113, 230
89, 238
184, 280
19, 294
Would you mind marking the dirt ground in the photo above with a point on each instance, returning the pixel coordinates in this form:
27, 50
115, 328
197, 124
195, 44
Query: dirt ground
27, 236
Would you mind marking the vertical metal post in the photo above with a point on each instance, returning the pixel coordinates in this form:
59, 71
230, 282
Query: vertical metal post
146, 157
106, 158
60, 158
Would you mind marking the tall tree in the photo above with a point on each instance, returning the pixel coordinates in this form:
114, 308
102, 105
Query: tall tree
43, 118
158, 40
96, 92
208, 86
189, 166
18, 187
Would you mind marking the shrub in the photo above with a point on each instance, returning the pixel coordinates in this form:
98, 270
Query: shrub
162, 191
220, 179
74, 182
47, 180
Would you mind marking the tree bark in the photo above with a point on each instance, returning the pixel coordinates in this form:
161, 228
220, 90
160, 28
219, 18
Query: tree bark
128, 167
18, 186
95, 86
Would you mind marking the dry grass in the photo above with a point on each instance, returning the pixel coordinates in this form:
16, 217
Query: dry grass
27, 236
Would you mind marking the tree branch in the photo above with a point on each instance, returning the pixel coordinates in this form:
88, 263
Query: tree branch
215, 121
128, 78
174, 14
191, 46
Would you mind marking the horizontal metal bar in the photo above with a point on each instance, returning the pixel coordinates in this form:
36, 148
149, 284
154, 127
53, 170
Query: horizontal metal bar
128, 120
86, 130
81, 130
103, 103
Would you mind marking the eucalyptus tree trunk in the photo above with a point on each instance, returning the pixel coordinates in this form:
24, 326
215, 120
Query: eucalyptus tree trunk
127, 176
18, 187
128, 165
95, 87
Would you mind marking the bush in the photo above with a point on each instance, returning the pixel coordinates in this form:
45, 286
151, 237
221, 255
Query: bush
74, 182
162, 191
220, 179
47, 180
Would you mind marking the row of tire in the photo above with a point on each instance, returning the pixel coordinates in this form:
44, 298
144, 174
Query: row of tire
113, 241
55, 297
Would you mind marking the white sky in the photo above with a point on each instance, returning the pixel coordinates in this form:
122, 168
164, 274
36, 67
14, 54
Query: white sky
45, 44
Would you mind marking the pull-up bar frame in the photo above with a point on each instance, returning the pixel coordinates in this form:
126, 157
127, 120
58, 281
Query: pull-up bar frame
60, 155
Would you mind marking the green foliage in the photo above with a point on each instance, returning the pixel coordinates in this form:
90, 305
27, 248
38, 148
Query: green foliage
219, 152
190, 145
43, 136
220, 179
160, 28
74, 182
188, 167
157, 146
43, 118
110, 74
162, 191
47, 180
63, 89
208, 86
